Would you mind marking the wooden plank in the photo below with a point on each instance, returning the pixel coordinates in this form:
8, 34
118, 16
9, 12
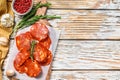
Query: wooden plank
86, 4
85, 75
76, 54
87, 24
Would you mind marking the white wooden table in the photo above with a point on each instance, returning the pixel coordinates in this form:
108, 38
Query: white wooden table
89, 46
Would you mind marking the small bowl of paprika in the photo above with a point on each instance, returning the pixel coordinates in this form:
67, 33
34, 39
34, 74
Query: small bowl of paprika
22, 7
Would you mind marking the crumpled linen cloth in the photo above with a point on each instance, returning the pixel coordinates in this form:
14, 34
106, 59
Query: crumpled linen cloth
5, 32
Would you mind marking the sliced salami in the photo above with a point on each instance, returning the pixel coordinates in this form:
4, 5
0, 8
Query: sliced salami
46, 43
40, 53
34, 68
19, 60
21, 69
23, 41
21, 57
48, 60
39, 31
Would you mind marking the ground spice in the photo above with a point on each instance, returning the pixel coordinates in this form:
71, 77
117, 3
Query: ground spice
22, 6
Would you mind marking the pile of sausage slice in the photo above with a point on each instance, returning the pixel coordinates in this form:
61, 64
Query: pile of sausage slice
42, 56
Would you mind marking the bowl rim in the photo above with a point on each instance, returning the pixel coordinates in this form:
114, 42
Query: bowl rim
13, 1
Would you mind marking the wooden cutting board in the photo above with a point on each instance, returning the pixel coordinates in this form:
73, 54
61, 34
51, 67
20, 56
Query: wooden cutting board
43, 12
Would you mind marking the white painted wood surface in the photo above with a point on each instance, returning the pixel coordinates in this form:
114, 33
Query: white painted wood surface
87, 24
77, 54
86, 4
85, 75
81, 54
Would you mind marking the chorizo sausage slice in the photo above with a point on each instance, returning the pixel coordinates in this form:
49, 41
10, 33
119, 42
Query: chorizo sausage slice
33, 68
21, 69
46, 43
39, 31
19, 60
40, 53
23, 41
48, 60
21, 57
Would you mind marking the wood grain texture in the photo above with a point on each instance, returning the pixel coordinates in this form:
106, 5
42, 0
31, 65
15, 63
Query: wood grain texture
85, 75
94, 21
87, 24
75, 54
86, 4
79, 4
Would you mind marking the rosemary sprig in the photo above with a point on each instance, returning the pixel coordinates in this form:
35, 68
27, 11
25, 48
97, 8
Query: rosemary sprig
33, 12
36, 18
33, 20
34, 9
30, 18
32, 46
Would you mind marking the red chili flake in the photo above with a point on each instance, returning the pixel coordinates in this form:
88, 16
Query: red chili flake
22, 6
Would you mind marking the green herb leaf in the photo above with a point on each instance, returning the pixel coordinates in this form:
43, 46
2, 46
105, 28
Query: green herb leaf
34, 9
36, 18
33, 20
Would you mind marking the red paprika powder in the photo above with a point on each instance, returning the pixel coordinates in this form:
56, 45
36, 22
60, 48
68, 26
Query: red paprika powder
22, 6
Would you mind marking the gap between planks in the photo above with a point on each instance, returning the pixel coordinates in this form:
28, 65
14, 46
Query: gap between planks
85, 75
85, 69
81, 9
11, 38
